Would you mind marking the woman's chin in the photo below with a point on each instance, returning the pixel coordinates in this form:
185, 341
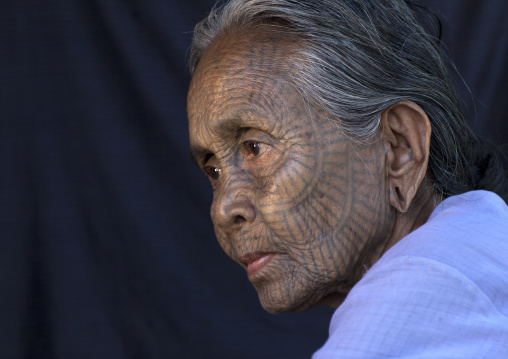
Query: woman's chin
273, 302
274, 306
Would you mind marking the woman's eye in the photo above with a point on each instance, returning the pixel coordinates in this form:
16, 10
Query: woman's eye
254, 148
212, 172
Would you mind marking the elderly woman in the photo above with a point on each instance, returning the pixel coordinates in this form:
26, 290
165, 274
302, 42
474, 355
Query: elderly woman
345, 175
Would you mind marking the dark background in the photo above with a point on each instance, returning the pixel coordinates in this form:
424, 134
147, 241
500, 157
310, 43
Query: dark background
106, 247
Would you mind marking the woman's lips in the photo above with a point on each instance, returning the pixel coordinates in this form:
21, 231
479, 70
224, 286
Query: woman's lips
255, 261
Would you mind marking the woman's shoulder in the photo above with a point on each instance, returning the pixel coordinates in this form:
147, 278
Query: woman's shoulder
462, 227
439, 292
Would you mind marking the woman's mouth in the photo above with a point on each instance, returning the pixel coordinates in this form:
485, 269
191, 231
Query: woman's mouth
256, 261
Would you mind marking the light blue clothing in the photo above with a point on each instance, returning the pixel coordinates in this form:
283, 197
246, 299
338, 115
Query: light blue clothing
441, 292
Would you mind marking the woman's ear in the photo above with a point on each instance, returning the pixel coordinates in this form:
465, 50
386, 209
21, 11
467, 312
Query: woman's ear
406, 132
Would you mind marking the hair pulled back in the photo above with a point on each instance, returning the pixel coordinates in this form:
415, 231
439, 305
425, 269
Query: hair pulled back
358, 57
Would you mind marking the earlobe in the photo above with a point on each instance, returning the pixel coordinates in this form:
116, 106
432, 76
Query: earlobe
406, 132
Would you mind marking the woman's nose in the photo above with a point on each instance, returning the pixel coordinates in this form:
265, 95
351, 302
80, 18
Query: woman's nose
232, 209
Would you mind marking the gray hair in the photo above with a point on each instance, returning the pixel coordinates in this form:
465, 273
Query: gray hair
358, 57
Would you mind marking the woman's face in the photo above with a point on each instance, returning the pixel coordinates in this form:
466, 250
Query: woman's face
296, 203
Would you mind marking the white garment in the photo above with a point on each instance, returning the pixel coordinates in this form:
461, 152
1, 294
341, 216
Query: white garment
441, 292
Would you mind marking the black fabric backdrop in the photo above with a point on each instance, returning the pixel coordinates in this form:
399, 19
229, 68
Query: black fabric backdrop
106, 247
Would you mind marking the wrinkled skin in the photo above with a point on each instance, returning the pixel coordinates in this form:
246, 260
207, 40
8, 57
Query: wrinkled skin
285, 182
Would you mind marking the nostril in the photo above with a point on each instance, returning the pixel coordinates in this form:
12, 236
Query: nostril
239, 220
233, 214
242, 211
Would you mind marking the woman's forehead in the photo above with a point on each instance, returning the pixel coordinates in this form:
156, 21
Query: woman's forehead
260, 50
238, 72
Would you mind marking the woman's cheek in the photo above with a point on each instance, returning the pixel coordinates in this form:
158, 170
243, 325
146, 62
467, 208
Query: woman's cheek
290, 205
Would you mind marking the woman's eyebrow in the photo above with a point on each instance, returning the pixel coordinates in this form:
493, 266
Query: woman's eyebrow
230, 125
197, 153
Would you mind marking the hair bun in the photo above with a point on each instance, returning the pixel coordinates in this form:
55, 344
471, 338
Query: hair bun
490, 173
